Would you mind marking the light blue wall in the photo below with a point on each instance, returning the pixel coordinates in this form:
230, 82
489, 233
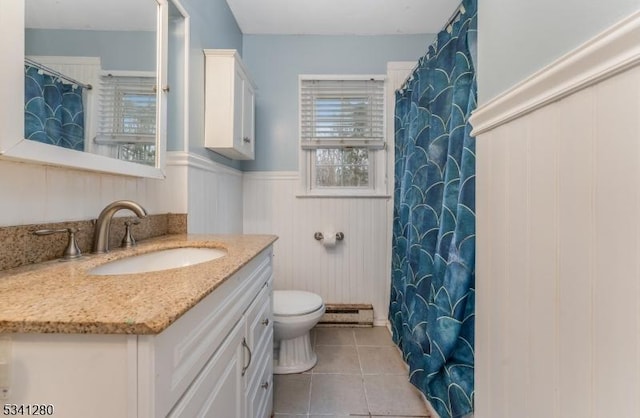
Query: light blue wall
275, 61
519, 37
176, 120
118, 50
212, 26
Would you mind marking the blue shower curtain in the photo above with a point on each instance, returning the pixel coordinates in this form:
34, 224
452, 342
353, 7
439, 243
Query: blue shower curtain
433, 248
53, 110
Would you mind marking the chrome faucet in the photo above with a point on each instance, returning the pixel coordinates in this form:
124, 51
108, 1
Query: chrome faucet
103, 224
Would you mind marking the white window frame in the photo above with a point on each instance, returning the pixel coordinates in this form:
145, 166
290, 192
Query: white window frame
378, 184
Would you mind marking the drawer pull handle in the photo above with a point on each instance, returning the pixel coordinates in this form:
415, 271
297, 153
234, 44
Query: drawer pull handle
265, 385
244, 343
265, 322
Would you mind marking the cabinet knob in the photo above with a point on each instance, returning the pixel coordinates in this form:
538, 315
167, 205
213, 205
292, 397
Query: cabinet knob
265, 322
246, 139
265, 385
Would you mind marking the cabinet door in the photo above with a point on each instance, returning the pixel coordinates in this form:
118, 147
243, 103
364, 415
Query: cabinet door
219, 390
248, 119
238, 107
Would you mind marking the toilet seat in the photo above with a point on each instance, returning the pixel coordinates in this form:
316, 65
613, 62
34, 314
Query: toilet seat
295, 302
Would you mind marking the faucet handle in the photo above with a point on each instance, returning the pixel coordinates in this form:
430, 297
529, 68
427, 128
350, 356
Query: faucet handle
72, 250
128, 240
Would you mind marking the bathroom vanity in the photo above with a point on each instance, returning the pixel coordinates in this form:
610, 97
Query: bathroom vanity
185, 342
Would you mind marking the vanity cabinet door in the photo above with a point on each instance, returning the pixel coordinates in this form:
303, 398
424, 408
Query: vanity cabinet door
219, 389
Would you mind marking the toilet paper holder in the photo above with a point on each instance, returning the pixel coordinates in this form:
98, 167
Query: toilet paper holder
319, 237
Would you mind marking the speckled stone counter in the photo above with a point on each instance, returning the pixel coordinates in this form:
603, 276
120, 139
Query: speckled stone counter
61, 297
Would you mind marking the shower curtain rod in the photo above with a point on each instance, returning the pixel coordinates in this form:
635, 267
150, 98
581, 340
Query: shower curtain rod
460, 10
56, 73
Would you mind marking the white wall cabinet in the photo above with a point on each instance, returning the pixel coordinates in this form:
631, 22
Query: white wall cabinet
229, 105
214, 361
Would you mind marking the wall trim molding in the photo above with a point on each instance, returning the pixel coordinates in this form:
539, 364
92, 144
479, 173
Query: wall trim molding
271, 175
609, 53
188, 159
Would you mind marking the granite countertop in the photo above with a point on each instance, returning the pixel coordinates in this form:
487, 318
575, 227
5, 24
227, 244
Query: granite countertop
60, 297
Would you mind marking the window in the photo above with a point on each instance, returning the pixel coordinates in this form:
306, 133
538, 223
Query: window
128, 117
342, 133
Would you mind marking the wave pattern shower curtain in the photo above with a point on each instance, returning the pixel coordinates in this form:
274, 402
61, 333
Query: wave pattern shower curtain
53, 110
433, 250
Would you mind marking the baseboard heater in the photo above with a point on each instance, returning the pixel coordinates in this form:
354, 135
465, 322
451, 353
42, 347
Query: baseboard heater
347, 315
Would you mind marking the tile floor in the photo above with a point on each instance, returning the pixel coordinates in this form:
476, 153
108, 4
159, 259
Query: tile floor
360, 372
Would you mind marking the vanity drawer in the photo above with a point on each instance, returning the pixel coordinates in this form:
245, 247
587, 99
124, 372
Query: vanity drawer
260, 393
259, 318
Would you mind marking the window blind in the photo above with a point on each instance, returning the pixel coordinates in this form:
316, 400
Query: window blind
342, 113
128, 110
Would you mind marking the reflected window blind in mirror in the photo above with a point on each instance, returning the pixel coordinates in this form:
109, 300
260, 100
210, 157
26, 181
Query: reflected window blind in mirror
128, 117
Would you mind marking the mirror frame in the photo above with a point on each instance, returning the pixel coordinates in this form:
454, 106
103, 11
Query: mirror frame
12, 143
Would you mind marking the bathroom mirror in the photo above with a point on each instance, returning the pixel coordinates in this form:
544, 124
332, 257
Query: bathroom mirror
96, 72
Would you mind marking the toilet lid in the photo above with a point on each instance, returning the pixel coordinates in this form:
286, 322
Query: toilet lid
295, 302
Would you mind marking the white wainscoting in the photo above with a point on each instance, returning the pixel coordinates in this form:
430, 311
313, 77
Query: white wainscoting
558, 256
33, 193
354, 271
212, 193
209, 192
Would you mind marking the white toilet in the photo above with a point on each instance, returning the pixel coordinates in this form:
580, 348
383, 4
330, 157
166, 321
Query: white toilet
295, 312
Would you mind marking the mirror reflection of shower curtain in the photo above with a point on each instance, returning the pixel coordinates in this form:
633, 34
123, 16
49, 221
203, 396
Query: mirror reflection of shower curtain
53, 110
432, 307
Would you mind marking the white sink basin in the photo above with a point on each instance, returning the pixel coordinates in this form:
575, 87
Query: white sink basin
159, 260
